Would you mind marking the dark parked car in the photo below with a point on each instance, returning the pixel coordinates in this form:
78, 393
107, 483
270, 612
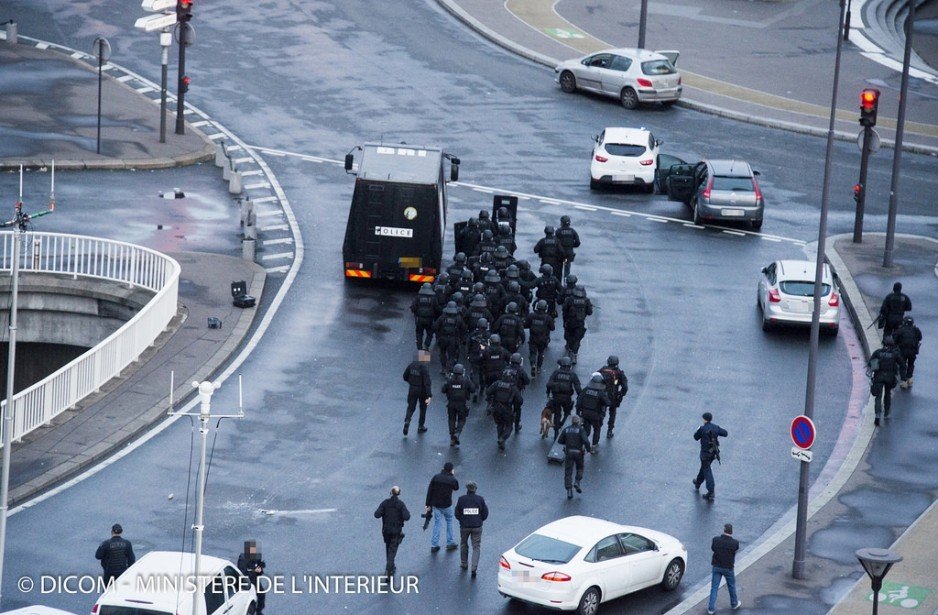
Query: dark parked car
715, 190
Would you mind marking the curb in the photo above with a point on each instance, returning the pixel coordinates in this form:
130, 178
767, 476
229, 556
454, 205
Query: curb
481, 29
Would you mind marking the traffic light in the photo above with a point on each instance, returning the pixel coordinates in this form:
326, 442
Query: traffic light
184, 10
857, 192
869, 102
184, 84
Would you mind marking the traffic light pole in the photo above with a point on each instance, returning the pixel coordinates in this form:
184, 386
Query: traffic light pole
642, 24
861, 195
180, 88
165, 41
900, 132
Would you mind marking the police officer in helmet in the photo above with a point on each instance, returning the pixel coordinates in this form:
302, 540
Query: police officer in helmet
561, 386
539, 325
575, 443
617, 385
457, 389
591, 405
886, 367
570, 240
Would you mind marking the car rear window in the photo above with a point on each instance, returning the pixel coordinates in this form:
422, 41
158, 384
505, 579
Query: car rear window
546, 549
739, 184
802, 289
658, 67
130, 610
624, 149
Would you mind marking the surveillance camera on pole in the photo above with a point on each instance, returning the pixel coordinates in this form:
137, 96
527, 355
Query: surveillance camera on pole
161, 22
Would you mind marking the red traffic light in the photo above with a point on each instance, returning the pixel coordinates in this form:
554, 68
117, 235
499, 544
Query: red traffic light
857, 188
869, 98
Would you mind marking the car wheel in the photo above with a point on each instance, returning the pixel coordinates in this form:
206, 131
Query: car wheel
756, 224
672, 575
697, 220
830, 332
567, 82
589, 603
629, 98
650, 188
594, 185
766, 325
252, 608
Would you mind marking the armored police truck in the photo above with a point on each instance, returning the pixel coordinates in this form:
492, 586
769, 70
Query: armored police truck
398, 214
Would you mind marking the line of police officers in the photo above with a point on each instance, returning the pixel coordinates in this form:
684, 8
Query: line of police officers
480, 309
894, 363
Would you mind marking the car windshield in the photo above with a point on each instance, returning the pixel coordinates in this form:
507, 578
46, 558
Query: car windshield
546, 549
624, 149
658, 67
738, 184
802, 289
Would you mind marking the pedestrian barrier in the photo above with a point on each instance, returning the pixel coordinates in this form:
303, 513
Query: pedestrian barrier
78, 256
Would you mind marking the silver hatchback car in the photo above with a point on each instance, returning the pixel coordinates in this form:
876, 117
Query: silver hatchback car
632, 75
786, 296
716, 190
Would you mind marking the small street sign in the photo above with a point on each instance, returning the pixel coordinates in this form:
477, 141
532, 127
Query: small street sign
801, 455
152, 23
803, 432
158, 5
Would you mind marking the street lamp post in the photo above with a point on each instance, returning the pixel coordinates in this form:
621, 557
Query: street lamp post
642, 23
876, 563
797, 568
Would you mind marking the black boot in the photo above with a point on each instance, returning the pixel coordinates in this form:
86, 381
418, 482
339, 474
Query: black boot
569, 494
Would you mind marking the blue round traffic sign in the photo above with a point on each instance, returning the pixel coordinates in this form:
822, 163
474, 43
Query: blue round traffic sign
803, 432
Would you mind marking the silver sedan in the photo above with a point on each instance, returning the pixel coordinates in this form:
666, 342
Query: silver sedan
632, 75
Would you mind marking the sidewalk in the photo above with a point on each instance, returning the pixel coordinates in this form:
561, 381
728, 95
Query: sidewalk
751, 63
892, 491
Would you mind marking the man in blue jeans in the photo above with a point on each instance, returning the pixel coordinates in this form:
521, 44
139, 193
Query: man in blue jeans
440, 501
724, 560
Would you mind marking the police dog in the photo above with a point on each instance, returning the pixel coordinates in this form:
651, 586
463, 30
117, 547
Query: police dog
547, 421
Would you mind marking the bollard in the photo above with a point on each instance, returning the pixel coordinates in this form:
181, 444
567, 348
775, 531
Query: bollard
236, 184
247, 249
247, 211
11, 32
250, 232
226, 170
221, 154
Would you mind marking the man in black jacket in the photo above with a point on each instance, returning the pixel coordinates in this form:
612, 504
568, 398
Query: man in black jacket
471, 512
251, 564
440, 502
417, 376
116, 554
909, 338
575, 444
894, 307
458, 388
393, 513
886, 368
724, 560
708, 435
503, 395
561, 386
570, 240
591, 404
617, 386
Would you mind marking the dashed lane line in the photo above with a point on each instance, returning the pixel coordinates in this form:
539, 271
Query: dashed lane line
256, 185
250, 173
280, 269
125, 78
278, 241
624, 214
279, 255
273, 227
585, 207
662, 220
699, 227
737, 233
265, 199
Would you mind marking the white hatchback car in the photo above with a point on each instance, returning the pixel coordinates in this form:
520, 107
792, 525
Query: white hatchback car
632, 75
160, 583
786, 296
575, 563
624, 156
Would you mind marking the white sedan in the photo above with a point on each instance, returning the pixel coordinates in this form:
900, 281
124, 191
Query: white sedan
632, 75
624, 156
576, 563
786, 296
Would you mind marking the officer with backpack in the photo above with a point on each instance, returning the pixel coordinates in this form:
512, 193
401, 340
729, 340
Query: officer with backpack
457, 389
576, 308
502, 396
908, 338
575, 443
561, 386
515, 371
885, 368
617, 386
539, 325
570, 240
894, 307
494, 359
475, 350
510, 326
550, 250
425, 309
450, 328
419, 391
708, 435
591, 405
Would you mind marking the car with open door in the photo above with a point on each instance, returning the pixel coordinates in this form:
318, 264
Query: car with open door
634, 76
717, 190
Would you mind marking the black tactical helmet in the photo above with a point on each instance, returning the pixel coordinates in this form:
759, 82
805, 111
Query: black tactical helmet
596, 377
487, 235
502, 212
514, 287
564, 220
466, 275
457, 297
485, 257
473, 222
482, 323
483, 214
495, 338
564, 362
579, 291
523, 265
504, 228
458, 369
547, 269
492, 277
512, 308
540, 306
478, 287
613, 360
443, 277
452, 307
512, 271
515, 359
548, 230
501, 251
426, 289
460, 258
572, 280
478, 301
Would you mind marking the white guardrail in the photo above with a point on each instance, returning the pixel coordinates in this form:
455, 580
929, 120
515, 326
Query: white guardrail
90, 257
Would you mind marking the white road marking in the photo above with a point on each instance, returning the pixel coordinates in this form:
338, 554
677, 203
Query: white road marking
125, 78
77, 55
692, 225
256, 185
268, 214
201, 123
278, 241
484, 190
767, 238
280, 269
308, 511
549, 201
621, 213
144, 89
273, 257
250, 173
265, 199
585, 207
278, 152
273, 227
737, 233
653, 219
242, 160
217, 136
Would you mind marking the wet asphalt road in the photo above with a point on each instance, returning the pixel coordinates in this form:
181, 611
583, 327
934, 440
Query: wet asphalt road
324, 408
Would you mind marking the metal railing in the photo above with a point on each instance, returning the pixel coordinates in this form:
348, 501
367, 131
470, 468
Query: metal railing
90, 257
